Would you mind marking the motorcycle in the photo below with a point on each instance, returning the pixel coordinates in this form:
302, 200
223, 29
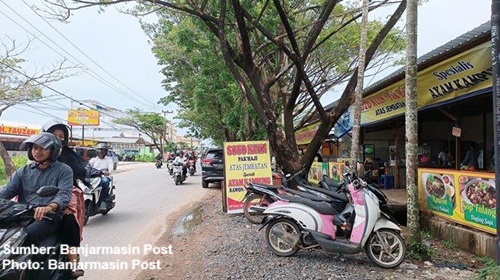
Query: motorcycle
92, 192
158, 163
296, 223
192, 167
170, 166
178, 173
14, 218
259, 196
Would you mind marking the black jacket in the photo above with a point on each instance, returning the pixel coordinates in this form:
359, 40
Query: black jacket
76, 162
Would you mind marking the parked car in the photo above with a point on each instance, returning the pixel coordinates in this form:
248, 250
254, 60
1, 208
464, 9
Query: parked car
85, 152
212, 167
113, 156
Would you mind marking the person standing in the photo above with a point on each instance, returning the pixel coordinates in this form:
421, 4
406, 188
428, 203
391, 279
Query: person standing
470, 161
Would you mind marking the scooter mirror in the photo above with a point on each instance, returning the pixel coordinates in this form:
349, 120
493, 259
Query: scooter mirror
288, 175
47, 191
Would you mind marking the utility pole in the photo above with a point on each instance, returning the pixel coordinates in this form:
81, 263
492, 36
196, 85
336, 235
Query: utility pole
411, 121
495, 41
164, 130
358, 95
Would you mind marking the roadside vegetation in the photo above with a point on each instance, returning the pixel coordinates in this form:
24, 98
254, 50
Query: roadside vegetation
18, 162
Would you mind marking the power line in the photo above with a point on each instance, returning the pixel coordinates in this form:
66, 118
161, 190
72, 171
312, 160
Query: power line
98, 65
97, 77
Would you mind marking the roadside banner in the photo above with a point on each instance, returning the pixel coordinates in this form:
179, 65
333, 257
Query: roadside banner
318, 169
458, 76
244, 162
463, 197
18, 130
83, 117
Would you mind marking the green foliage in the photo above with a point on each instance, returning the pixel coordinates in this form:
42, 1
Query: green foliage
18, 161
420, 252
449, 244
151, 124
145, 158
490, 271
211, 101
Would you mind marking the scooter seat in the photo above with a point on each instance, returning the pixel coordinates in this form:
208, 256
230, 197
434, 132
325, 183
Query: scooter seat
266, 186
333, 194
331, 184
320, 206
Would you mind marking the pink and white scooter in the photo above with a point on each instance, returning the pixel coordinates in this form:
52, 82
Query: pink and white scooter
295, 223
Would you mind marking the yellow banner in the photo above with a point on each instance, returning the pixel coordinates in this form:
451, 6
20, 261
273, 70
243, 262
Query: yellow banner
18, 130
305, 135
245, 162
318, 169
83, 117
462, 74
463, 197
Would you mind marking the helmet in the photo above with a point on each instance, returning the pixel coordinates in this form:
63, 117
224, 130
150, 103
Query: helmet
45, 140
102, 147
54, 124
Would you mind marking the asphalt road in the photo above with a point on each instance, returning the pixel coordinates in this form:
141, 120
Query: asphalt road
147, 199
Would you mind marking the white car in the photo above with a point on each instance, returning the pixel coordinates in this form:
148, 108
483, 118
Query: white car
113, 155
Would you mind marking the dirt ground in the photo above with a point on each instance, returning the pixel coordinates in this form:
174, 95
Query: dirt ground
191, 243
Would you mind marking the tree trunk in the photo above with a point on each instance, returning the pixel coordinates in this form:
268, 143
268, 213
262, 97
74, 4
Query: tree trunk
358, 96
10, 168
411, 119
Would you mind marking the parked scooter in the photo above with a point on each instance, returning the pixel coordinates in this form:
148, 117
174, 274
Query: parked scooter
92, 192
14, 217
178, 173
296, 223
259, 196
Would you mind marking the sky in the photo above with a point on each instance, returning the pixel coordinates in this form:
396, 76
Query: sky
119, 46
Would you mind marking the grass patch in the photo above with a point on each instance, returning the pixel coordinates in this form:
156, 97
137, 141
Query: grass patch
449, 244
18, 161
490, 271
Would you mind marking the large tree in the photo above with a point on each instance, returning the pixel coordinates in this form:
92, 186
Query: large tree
18, 85
282, 57
151, 124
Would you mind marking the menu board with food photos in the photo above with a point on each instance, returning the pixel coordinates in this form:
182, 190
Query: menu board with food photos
464, 197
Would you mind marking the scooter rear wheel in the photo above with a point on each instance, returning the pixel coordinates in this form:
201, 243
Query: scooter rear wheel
254, 200
276, 244
386, 248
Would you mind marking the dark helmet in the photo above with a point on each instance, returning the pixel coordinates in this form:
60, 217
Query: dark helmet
102, 147
45, 140
54, 124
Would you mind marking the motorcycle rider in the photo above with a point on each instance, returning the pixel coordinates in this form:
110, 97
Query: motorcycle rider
104, 163
159, 159
192, 157
43, 149
180, 159
71, 227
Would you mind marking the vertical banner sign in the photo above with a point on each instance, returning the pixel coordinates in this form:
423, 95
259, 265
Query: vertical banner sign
244, 162
465, 197
318, 169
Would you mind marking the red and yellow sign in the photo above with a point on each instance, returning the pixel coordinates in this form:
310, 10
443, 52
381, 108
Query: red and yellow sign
18, 130
464, 197
306, 134
83, 117
245, 162
457, 76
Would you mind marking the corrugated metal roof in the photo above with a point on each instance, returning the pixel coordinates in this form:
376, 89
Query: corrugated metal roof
470, 39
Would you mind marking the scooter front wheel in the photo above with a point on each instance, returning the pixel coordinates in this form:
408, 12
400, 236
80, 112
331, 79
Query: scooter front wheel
386, 248
277, 244
254, 200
